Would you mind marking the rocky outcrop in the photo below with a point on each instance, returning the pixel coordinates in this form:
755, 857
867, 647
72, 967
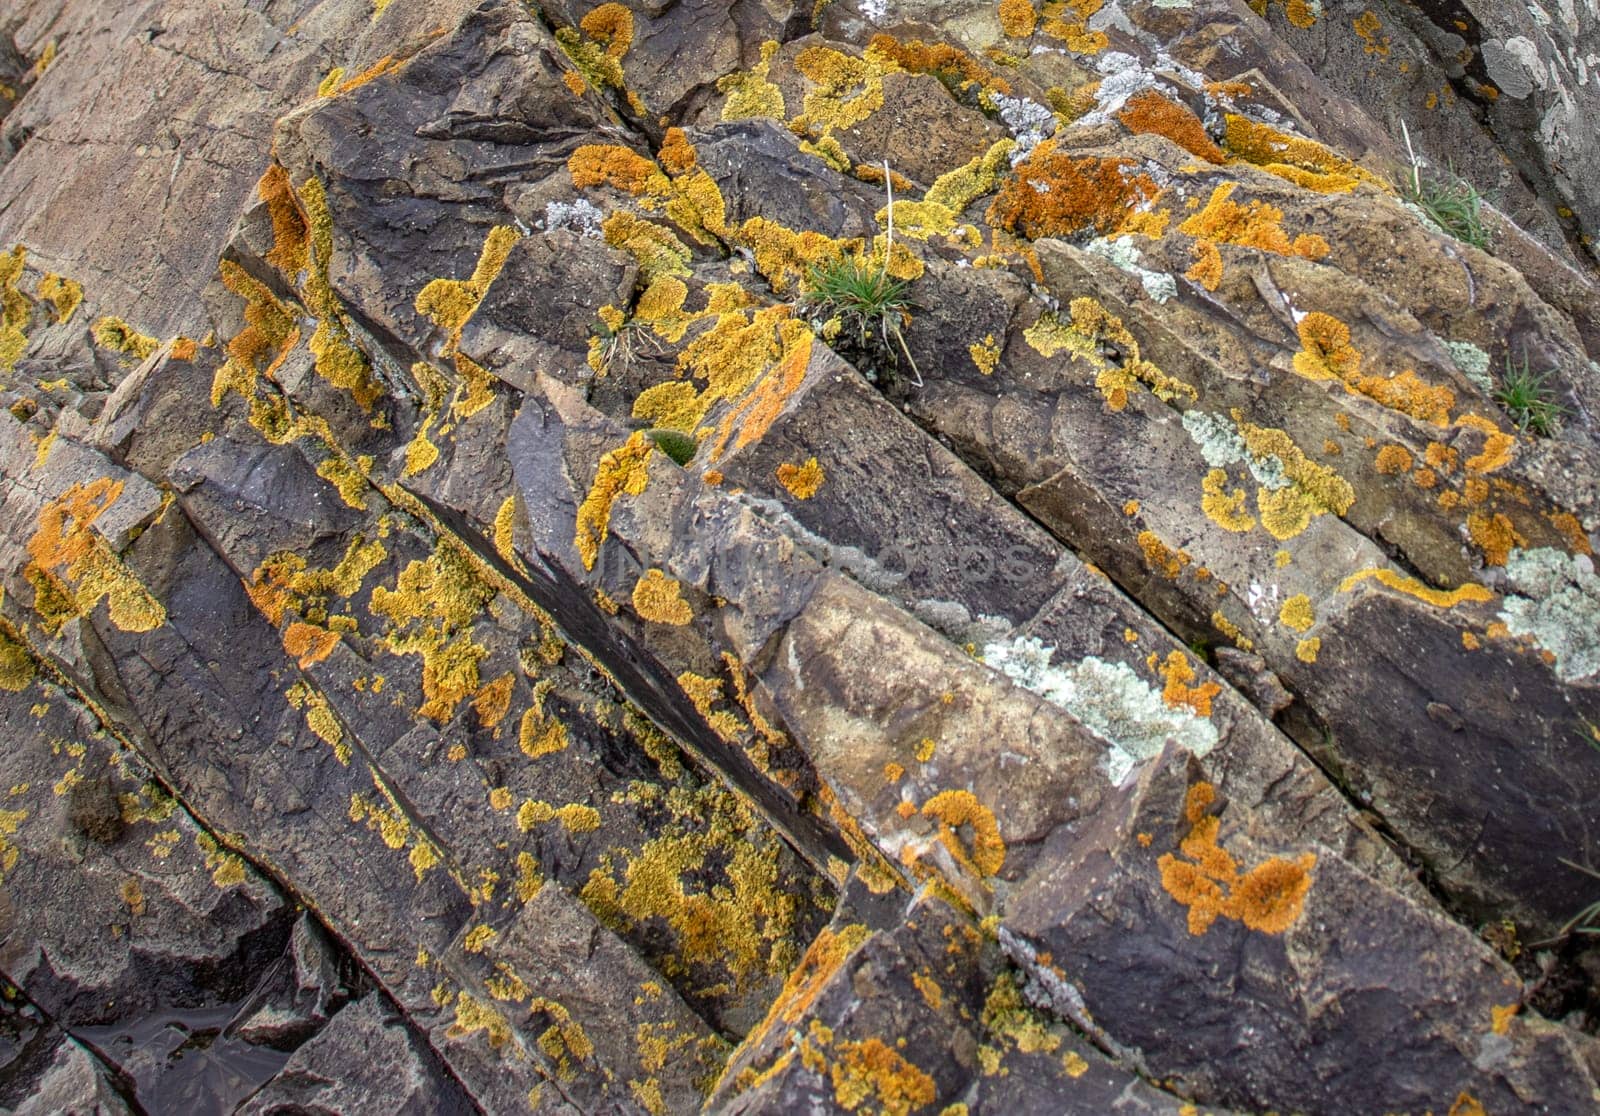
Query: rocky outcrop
483, 630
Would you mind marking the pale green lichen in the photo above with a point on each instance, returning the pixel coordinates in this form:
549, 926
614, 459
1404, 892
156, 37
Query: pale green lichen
1157, 284
1222, 445
1108, 698
1557, 604
1473, 362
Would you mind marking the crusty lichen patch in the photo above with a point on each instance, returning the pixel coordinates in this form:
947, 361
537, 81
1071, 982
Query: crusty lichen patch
623, 471
74, 568
1557, 604
802, 481
1134, 719
1268, 898
1089, 334
659, 598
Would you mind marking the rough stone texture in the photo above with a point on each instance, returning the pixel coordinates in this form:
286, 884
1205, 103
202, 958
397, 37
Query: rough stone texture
480, 632
1475, 80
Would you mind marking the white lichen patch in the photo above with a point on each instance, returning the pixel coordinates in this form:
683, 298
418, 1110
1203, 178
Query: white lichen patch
1557, 604
581, 216
1108, 698
1221, 445
1125, 255
1029, 122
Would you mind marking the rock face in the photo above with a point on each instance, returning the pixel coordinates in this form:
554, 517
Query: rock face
914, 557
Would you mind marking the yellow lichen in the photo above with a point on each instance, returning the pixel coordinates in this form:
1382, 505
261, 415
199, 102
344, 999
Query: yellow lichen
749, 94
65, 295
985, 354
431, 610
1297, 613
1304, 162
658, 598
1313, 489
1224, 508
622, 471
79, 567
115, 334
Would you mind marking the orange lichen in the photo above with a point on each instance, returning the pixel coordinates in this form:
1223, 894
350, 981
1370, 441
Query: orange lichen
1149, 113
760, 407
1074, 31
1437, 597
1178, 693
1407, 393
802, 481
1207, 267
677, 154
1256, 225
1443, 458
74, 568
1572, 531
609, 164
1495, 535
1018, 18
1161, 558
873, 1070
1366, 26
659, 598
951, 65
1051, 193
624, 470
610, 25
309, 643
1268, 898
953, 810
1393, 460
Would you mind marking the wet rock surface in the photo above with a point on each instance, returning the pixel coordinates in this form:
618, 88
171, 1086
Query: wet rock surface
485, 628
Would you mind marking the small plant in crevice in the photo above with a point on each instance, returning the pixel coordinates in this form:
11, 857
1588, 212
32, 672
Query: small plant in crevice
1528, 398
615, 348
1457, 208
859, 308
1586, 922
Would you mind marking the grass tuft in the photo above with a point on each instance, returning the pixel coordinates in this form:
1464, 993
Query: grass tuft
1457, 208
1529, 399
869, 305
